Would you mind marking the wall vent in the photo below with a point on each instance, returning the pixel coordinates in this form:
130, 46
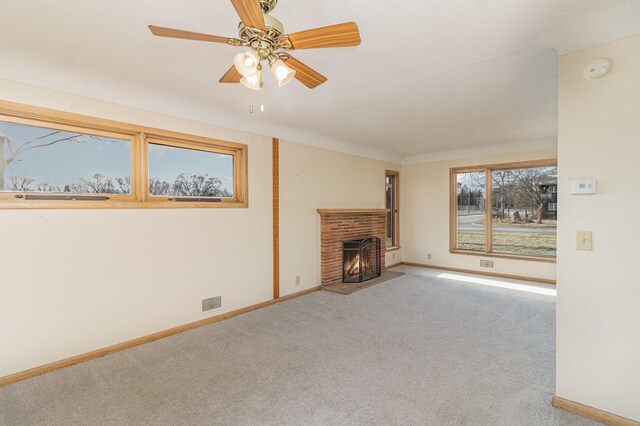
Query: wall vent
486, 263
213, 303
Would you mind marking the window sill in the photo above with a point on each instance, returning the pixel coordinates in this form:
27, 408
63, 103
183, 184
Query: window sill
505, 256
388, 249
74, 205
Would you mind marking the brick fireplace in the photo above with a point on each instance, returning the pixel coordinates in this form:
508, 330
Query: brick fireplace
338, 225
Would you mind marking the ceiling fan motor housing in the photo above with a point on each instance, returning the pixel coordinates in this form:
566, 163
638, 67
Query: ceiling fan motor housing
265, 43
273, 25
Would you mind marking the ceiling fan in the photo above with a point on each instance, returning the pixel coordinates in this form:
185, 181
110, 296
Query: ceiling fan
265, 37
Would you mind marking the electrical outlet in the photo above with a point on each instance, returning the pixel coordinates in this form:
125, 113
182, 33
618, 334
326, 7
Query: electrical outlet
213, 303
297, 279
584, 240
429, 256
486, 263
393, 255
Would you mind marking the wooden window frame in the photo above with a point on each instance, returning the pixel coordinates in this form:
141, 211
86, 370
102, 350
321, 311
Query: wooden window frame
395, 214
140, 137
453, 208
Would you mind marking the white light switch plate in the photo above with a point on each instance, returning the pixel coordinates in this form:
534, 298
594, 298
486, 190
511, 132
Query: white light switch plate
584, 240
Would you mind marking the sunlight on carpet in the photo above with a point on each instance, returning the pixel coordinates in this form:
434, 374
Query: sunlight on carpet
529, 288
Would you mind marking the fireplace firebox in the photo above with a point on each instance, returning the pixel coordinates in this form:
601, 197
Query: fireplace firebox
361, 260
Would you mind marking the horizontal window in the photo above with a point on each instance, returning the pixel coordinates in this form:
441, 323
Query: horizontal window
505, 209
46, 160
189, 172
50, 159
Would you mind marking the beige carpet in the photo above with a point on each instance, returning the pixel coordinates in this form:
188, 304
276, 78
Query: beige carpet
424, 349
348, 288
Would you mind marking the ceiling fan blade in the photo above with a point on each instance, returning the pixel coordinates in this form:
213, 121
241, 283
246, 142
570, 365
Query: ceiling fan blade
339, 35
188, 35
250, 13
231, 76
304, 74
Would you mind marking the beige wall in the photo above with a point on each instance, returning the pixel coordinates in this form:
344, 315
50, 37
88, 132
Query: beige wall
77, 280
312, 178
598, 308
425, 217
73, 281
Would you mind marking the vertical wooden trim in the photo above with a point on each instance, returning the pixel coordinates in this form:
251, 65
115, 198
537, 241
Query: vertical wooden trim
276, 218
488, 193
142, 171
241, 184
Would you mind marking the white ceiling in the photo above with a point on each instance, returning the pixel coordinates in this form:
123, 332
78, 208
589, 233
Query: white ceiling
430, 76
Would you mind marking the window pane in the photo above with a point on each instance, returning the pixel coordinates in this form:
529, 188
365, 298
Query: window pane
179, 172
471, 223
524, 211
389, 205
38, 159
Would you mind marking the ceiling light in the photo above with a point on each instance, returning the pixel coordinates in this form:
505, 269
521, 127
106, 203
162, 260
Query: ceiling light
283, 73
247, 63
253, 82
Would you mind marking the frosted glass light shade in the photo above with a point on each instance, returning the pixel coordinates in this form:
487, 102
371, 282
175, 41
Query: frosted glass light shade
253, 82
247, 63
282, 72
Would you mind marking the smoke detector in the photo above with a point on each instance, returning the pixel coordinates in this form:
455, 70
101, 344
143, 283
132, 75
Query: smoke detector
597, 69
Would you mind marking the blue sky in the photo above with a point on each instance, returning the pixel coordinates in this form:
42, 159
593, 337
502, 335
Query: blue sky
82, 157
68, 161
166, 163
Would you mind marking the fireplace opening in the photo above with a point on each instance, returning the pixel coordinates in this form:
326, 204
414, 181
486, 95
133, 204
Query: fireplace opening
361, 260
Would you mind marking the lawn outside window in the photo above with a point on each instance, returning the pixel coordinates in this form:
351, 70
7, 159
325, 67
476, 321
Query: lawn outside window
57, 160
505, 210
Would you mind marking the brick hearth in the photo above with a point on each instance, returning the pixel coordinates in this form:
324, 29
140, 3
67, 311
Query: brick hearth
347, 224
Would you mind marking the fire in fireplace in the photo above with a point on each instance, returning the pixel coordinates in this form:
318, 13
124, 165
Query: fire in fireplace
361, 260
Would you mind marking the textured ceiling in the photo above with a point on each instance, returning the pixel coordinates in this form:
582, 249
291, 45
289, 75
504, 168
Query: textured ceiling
430, 76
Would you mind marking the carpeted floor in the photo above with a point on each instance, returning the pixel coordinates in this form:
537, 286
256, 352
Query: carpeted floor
423, 349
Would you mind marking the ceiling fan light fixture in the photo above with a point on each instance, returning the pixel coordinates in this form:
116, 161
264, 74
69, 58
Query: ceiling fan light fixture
265, 37
253, 82
282, 72
247, 63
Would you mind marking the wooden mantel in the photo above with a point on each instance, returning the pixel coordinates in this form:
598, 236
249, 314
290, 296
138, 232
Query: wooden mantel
353, 211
